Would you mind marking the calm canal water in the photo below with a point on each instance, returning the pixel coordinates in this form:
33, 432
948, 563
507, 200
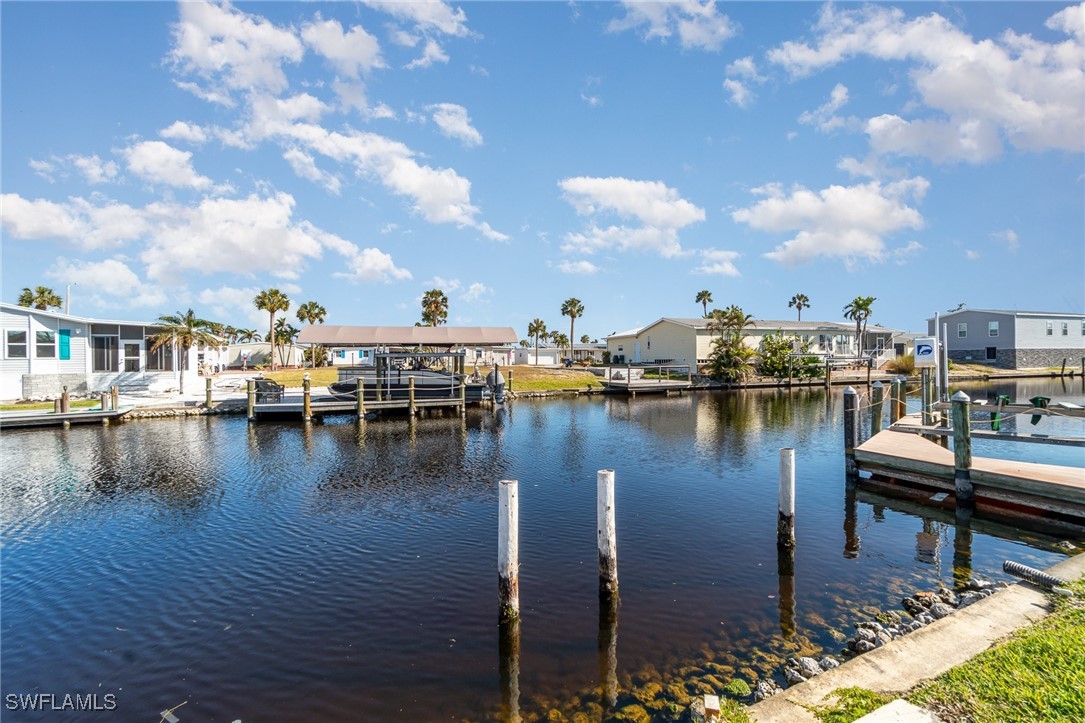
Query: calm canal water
277, 572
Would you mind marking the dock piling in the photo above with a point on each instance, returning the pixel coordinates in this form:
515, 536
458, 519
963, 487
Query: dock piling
851, 431
877, 395
207, 393
902, 396
606, 532
410, 397
508, 549
962, 449
926, 394
359, 383
105, 401
65, 401
56, 406
785, 521
306, 399
115, 398
463, 397
250, 388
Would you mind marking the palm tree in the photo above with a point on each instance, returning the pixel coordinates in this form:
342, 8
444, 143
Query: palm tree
434, 308
559, 339
311, 313
285, 333
186, 331
858, 310
272, 300
536, 329
42, 298
246, 335
799, 302
704, 298
572, 308
585, 339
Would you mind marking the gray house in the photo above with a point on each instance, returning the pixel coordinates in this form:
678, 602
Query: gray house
1013, 339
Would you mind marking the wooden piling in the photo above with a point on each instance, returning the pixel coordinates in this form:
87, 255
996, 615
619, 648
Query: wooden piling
962, 449
851, 431
410, 396
509, 385
606, 532
1063, 372
785, 521
56, 406
508, 648
207, 393
877, 395
250, 388
306, 400
359, 383
608, 650
508, 549
377, 368
463, 397
65, 401
105, 401
828, 374
926, 394
894, 390
115, 397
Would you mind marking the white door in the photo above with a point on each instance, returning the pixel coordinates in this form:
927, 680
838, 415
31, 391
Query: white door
636, 352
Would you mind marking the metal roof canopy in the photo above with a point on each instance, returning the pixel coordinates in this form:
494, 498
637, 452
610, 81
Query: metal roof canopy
330, 335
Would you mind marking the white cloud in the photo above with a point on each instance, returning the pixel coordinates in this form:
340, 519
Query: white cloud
1013, 89
578, 267
1009, 238
848, 222
740, 94
593, 100
182, 131
660, 210
453, 122
697, 23
227, 302
715, 262
305, 167
824, 118
352, 53
477, 291
432, 17
109, 283
159, 162
78, 221
232, 48
446, 285
431, 53
744, 68
92, 168
45, 169
971, 255
373, 265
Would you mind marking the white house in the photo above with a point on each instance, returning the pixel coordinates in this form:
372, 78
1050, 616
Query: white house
249, 354
689, 341
1013, 339
44, 351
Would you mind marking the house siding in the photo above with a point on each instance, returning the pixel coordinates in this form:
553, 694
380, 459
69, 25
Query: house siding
1022, 341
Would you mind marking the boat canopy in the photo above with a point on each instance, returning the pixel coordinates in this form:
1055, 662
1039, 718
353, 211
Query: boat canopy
447, 336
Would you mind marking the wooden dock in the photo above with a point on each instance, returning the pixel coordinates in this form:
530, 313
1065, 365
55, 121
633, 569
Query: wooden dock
905, 455
653, 379
20, 420
296, 408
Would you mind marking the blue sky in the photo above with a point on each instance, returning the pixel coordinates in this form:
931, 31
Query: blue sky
164, 156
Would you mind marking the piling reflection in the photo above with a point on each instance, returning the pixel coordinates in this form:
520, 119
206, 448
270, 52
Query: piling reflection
608, 649
508, 647
785, 572
852, 541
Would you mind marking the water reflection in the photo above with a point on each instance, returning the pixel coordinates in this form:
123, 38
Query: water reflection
509, 669
608, 649
785, 572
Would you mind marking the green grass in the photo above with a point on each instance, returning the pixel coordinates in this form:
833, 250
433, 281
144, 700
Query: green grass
36, 406
1038, 674
851, 704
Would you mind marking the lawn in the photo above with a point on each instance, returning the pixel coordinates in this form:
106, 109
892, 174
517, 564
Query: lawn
524, 378
38, 406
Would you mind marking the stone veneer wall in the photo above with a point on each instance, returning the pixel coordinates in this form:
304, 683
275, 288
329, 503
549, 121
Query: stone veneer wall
1004, 358
49, 386
1020, 358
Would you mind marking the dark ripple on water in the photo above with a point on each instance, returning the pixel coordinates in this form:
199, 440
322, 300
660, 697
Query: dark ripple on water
289, 572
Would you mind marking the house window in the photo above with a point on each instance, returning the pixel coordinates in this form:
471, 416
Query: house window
1050, 328
992, 353
649, 342
161, 359
104, 353
962, 330
131, 357
16, 344
1066, 328
45, 344
992, 328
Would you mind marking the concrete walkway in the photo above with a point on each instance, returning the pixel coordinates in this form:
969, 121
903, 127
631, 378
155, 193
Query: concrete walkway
928, 652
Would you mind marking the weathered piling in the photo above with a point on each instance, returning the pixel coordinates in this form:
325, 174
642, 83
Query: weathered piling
508, 647
877, 394
359, 385
207, 392
306, 399
509, 385
105, 401
57, 406
608, 650
894, 390
508, 549
828, 374
851, 431
410, 396
962, 449
65, 401
250, 409
926, 394
606, 532
785, 521
463, 397
902, 397
115, 397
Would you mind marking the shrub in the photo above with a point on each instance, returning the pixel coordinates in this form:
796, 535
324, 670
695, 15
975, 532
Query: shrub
902, 365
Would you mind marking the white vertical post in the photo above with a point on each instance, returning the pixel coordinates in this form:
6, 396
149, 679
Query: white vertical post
508, 548
606, 532
785, 525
